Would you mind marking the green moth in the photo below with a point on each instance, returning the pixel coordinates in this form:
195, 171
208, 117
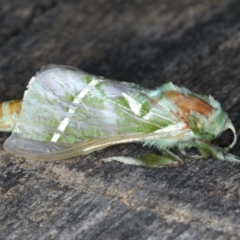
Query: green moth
66, 112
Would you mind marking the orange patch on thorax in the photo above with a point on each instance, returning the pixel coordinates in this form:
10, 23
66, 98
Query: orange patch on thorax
189, 103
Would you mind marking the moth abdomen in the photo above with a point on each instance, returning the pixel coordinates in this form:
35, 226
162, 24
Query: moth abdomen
9, 113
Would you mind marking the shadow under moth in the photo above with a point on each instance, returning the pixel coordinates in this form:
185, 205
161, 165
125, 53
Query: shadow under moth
66, 112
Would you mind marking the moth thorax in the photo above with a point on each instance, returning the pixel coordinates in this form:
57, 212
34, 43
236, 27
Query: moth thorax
188, 103
9, 113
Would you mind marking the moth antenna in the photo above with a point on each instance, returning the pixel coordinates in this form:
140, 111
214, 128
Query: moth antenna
9, 113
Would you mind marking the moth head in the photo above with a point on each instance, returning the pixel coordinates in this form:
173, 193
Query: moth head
226, 138
204, 116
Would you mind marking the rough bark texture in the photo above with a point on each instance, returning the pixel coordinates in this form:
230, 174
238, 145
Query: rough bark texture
195, 43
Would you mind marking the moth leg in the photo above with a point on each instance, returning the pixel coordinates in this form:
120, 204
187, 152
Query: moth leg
125, 160
207, 149
167, 159
195, 156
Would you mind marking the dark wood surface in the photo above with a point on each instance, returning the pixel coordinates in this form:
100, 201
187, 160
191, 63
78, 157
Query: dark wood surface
192, 43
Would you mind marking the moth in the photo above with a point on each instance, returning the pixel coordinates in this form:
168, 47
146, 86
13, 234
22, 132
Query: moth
66, 112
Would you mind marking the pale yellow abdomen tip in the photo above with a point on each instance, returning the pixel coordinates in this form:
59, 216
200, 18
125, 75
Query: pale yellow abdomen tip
9, 113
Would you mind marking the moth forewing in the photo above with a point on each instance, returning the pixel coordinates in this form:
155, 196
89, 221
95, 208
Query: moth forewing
67, 112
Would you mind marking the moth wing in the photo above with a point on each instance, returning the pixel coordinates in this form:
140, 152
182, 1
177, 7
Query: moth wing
96, 106
48, 151
65, 109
